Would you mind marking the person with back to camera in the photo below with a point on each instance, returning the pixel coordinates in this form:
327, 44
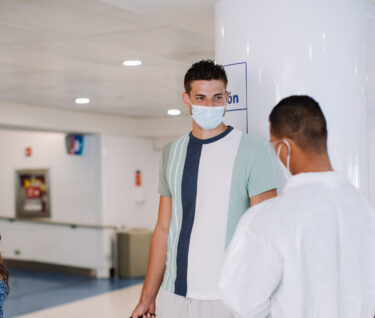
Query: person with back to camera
309, 253
208, 179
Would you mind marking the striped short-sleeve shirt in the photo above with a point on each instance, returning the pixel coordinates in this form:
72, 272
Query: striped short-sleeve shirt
210, 182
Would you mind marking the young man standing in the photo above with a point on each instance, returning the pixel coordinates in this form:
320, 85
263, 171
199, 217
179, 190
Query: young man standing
208, 179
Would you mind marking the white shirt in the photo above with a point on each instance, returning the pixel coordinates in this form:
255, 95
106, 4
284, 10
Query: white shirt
309, 253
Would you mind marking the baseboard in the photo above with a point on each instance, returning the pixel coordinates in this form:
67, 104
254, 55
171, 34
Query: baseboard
46, 267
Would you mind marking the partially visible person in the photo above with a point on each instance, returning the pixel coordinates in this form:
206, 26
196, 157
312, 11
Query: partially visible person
309, 253
4, 284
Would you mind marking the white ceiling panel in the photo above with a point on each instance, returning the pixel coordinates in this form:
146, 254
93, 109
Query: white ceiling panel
194, 15
165, 41
65, 17
53, 51
13, 34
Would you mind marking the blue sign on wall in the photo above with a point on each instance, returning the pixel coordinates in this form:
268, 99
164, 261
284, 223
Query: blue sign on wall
237, 110
74, 144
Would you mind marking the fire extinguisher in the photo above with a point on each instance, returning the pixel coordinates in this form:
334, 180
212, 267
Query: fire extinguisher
138, 178
139, 194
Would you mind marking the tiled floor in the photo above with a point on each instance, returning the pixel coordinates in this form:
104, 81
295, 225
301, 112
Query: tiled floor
117, 304
32, 291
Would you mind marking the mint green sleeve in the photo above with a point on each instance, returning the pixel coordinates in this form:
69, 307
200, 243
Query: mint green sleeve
261, 170
163, 187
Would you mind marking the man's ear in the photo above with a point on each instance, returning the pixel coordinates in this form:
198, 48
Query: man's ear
186, 100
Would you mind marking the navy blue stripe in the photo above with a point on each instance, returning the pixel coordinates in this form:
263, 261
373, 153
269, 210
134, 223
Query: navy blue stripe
188, 198
213, 139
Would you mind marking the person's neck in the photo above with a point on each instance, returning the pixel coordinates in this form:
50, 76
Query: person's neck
314, 163
201, 133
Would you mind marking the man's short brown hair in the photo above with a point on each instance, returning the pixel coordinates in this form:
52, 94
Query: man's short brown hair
204, 70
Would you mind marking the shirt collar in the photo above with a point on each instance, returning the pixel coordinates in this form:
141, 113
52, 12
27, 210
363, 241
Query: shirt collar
213, 139
312, 177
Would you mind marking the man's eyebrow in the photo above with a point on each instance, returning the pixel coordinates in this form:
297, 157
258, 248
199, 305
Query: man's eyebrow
200, 95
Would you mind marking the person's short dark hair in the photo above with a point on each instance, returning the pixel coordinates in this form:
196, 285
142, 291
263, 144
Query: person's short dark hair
301, 119
204, 70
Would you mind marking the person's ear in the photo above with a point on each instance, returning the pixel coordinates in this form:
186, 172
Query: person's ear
186, 100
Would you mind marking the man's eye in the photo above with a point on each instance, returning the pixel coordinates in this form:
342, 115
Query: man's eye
219, 97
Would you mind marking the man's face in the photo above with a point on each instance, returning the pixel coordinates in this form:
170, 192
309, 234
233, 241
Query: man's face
206, 93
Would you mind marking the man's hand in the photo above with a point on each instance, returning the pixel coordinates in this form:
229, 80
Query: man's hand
144, 309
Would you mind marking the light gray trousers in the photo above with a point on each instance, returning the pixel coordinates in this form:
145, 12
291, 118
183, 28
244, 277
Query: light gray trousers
174, 306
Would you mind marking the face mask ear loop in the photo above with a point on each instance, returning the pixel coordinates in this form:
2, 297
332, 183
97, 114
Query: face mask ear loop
278, 151
225, 106
289, 152
190, 102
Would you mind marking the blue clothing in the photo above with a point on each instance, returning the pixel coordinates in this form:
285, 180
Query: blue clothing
3, 296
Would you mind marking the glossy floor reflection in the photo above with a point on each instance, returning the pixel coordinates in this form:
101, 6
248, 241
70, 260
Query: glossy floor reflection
117, 304
33, 291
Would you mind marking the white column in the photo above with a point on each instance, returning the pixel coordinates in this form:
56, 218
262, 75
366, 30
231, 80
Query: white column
371, 98
299, 47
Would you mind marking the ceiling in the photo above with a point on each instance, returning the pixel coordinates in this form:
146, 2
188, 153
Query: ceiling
53, 51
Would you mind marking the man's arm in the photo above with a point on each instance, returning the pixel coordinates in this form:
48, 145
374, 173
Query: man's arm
157, 260
262, 197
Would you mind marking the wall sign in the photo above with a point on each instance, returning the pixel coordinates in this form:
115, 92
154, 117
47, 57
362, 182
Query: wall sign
74, 144
237, 108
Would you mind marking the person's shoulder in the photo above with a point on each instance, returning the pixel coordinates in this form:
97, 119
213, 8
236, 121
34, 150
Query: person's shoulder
167, 147
353, 194
250, 141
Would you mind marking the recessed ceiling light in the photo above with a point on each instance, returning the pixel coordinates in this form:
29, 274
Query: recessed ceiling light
174, 112
132, 63
82, 100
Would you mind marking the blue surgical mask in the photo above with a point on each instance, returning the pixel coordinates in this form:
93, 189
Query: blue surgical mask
208, 117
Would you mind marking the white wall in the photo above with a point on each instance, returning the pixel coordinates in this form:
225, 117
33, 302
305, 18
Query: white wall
55, 244
75, 183
122, 156
97, 188
372, 164
75, 180
371, 99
